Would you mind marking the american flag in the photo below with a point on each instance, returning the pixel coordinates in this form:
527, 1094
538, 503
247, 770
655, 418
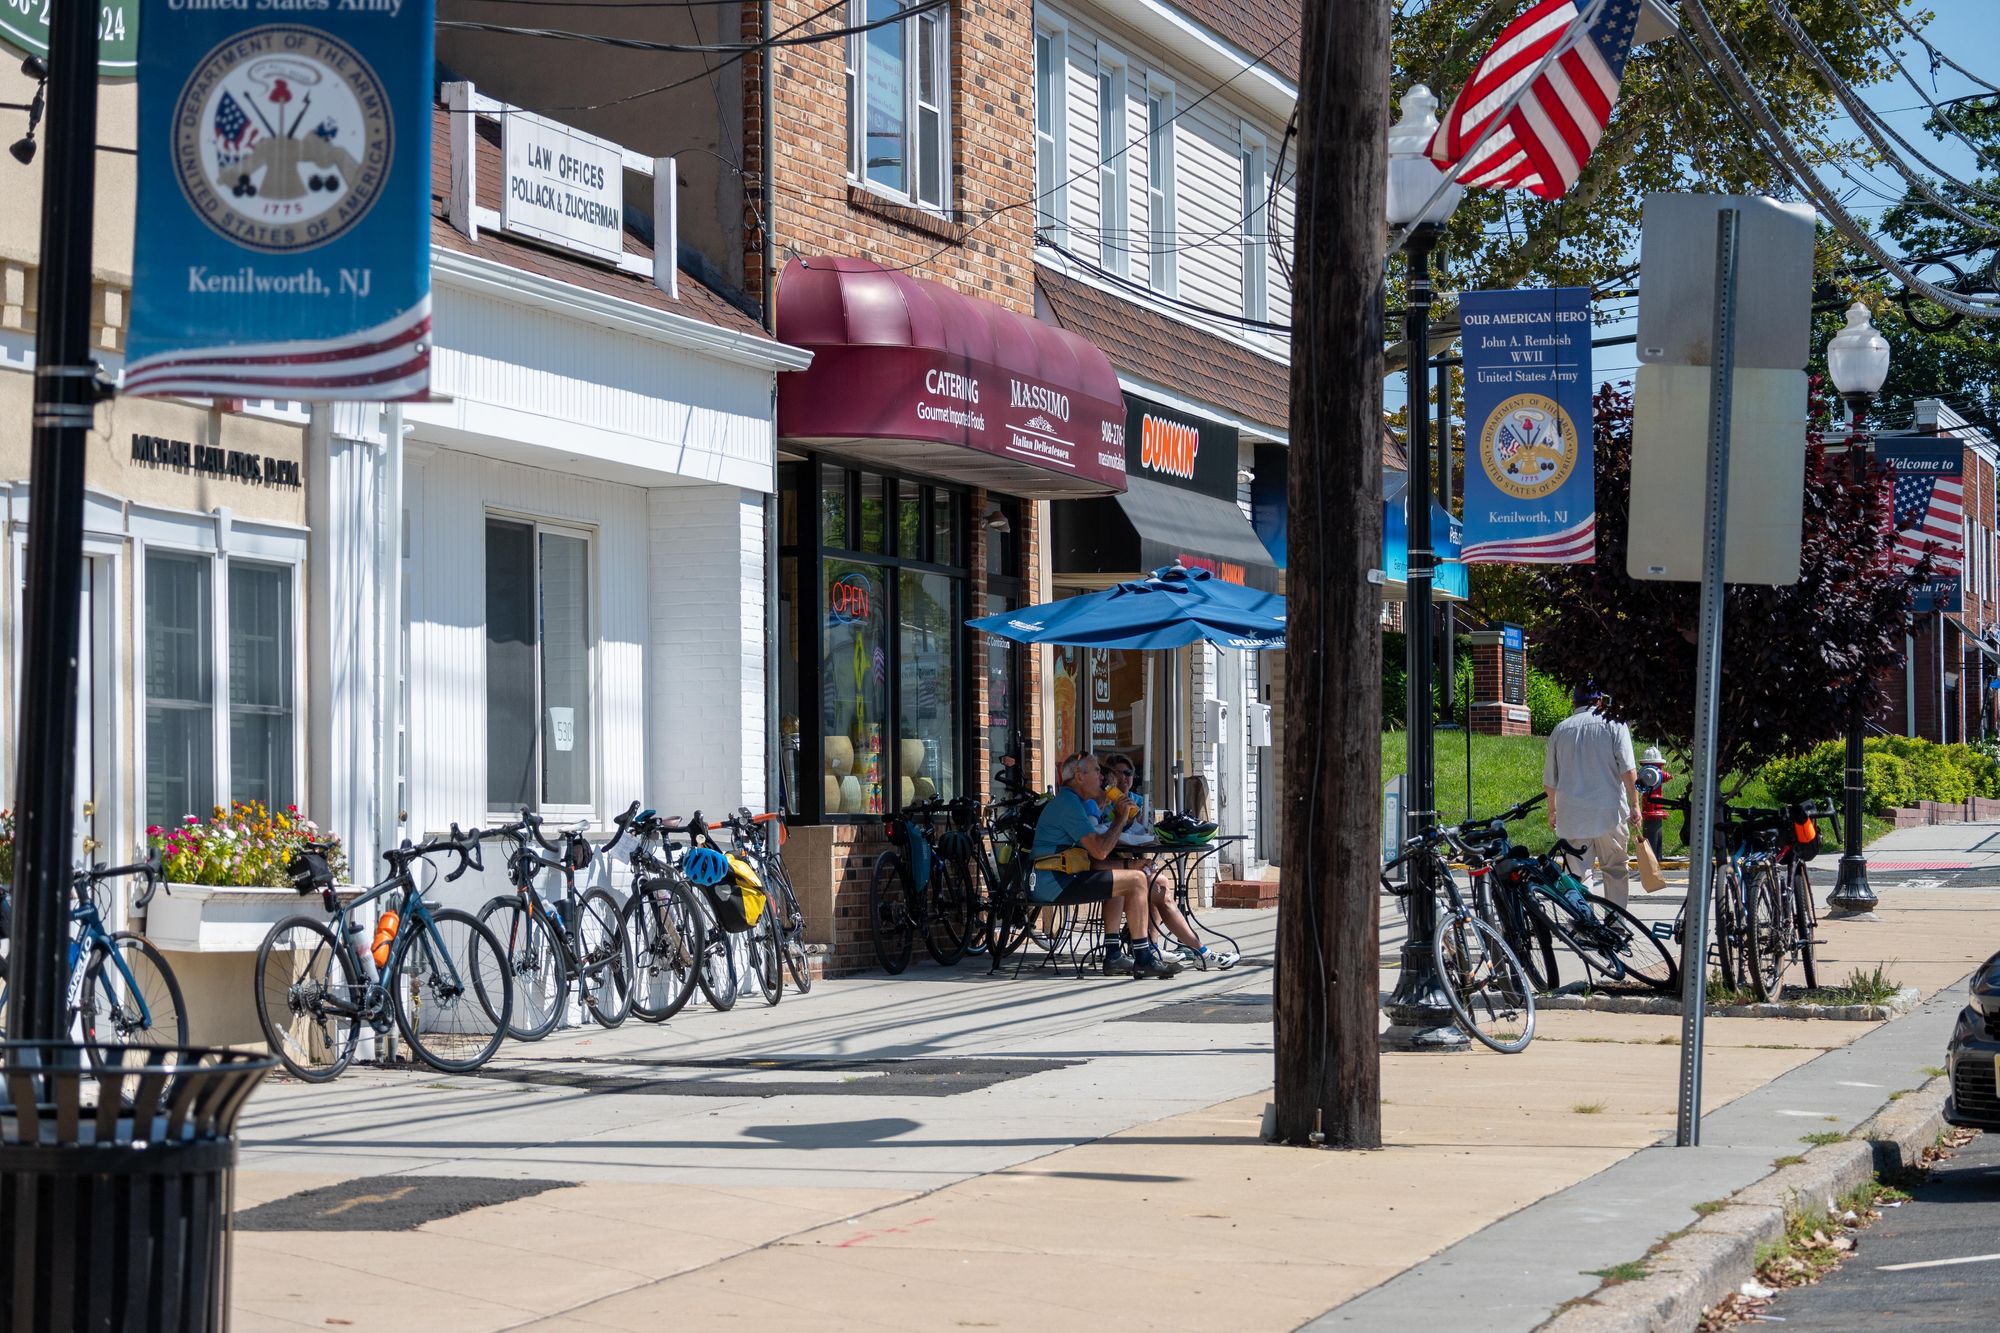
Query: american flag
1544, 141
1574, 545
233, 131
1930, 519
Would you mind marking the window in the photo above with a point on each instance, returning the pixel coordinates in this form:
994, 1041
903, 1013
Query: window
221, 713
898, 92
872, 669
1114, 246
1162, 221
262, 721
1051, 131
1006, 707
538, 639
180, 687
1256, 226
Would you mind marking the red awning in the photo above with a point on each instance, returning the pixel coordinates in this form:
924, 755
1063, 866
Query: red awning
910, 374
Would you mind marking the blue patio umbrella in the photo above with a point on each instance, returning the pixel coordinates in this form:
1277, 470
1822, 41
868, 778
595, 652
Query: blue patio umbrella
1172, 608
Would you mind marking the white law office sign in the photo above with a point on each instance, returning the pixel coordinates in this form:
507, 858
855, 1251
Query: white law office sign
563, 188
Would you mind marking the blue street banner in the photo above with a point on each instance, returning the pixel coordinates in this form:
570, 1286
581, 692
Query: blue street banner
283, 232
1929, 488
1530, 497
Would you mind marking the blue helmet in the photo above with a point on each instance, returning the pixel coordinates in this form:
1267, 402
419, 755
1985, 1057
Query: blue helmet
705, 866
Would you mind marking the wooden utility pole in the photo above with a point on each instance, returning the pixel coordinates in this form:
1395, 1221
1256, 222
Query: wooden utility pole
1329, 1083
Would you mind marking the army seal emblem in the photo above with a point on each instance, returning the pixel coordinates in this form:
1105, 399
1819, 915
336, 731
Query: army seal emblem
282, 138
1529, 446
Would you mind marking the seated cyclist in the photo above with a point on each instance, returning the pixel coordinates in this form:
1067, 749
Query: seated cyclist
1070, 852
1121, 773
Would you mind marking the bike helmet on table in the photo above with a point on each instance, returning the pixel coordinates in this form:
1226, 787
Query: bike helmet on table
705, 866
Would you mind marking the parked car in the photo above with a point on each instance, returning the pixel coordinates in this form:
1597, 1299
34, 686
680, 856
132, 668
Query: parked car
1973, 1058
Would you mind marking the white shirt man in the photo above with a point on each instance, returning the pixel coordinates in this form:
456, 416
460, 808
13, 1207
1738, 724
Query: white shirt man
1591, 781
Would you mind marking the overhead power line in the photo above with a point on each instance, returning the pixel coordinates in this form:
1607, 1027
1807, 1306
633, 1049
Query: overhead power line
1937, 56
696, 48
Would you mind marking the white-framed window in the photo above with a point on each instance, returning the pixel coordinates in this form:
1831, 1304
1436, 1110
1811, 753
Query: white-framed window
1162, 206
540, 715
220, 682
1051, 129
899, 103
1256, 225
1114, 158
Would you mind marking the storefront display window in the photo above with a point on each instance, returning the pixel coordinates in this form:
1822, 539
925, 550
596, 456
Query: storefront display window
871, 643
1101, 702
538, 627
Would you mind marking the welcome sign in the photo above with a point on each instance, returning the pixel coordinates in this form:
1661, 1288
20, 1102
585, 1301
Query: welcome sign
1530, 496
283, 239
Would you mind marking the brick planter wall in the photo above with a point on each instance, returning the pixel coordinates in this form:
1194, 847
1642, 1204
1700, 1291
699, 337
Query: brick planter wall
1246, 893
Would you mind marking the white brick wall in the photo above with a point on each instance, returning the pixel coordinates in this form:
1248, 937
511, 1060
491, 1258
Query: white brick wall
705, 555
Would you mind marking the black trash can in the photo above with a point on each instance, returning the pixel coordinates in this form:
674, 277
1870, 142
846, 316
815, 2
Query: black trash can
117, 1178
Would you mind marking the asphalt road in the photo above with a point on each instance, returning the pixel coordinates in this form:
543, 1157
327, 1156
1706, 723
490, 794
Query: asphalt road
1955, 1216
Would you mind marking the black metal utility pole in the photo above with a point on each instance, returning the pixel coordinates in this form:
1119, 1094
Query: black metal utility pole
66, 389
1418, 1011
1851, 894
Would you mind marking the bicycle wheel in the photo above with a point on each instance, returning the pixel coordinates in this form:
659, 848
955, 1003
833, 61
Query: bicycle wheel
767, 948
665, 931
1805, 920
948, 922
1526, 931
1624, 949
717, 976
893, 931
605, 960
308, 999
136, 1004
1768, 941
444, 979
534, 959
1487, 987
791, 925
1726, 926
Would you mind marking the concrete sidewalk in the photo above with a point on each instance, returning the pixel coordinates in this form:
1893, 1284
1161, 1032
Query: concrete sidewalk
948, 1148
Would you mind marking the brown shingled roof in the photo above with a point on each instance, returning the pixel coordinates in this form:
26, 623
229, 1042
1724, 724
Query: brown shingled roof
1252, 26
1148, 344
696, 300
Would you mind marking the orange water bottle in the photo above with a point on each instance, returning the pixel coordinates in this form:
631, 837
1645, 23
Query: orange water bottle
385, 935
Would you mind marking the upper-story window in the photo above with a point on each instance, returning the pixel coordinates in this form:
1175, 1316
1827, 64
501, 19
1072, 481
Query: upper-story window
1256, 228
899, 99
1162, 209
1051, 131
1114, 187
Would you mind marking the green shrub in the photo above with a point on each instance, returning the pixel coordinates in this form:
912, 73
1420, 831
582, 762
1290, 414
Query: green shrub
1817, 775
1887, 780
1935, 777
1548, 701
1980, 764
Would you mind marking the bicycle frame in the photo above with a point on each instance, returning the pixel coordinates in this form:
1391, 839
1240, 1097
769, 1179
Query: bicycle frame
413, 909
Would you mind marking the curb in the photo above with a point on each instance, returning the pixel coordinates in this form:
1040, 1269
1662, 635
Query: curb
1698, 1267
1906, 999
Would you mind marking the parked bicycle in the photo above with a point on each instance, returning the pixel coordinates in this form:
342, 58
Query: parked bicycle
1536, 903
916, 892
436, 970
1002, 863
1765, 918
761, 838
662, 921
743, 932
120, 990
1490, 993
551, 946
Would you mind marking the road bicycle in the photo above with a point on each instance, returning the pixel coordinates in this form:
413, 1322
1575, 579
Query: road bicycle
437, 971
1771, 894
1002, 862
1492, 998
120, 990
914, 891
761, 838
738, 948
662, 921
1536, 903
574, 941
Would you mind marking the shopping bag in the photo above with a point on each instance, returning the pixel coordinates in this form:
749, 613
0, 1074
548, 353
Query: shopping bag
1650, 877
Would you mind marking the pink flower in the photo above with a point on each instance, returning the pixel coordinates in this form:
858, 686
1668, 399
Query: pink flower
154, 830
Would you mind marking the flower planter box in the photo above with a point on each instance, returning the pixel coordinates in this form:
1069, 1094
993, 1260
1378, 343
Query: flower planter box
202, 918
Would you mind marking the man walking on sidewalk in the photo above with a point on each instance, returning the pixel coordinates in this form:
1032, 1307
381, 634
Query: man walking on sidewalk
1591, 782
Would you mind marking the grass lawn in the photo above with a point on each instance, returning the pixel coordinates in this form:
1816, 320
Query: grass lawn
1507, 769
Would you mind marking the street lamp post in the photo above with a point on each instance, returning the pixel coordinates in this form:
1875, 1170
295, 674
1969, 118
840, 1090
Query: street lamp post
1858, 361
1418, 1011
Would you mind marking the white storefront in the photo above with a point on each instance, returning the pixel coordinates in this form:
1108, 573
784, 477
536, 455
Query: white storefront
579, 619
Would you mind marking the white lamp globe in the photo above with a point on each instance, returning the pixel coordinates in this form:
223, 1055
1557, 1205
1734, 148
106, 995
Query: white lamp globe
1858, 356
1413, 177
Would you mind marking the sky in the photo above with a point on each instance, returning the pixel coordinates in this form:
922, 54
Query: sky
1963, 30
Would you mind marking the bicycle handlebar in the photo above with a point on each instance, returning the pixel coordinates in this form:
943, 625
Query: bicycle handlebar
465, 844
148, 869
